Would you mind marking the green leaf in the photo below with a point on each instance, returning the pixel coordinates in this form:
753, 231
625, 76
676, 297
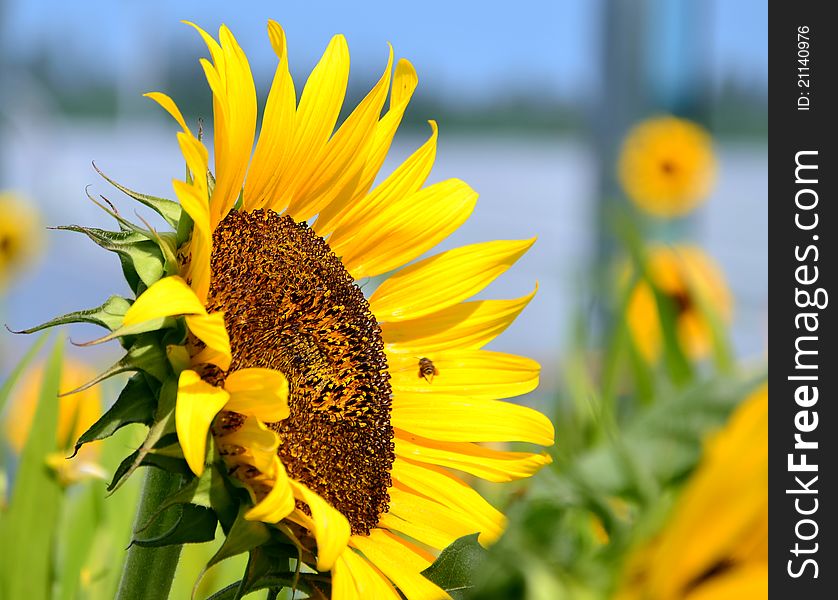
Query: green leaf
679, 368
208, 490
455, 567
135, 248
243, 537
663, 442
146, 457
29, 524
109, 316
136, 404
134, 329
145, 354
722, 353
168, 209
20, 367
196, 524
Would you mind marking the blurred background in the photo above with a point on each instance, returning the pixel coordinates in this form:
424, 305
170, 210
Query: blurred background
532, 102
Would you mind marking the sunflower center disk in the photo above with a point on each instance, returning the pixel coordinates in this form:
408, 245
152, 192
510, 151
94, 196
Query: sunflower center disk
290, 305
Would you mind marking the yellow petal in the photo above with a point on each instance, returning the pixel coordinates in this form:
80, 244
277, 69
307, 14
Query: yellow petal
167, 297
461, 419
470, 325
408, 227
401, 561
234, 113
343, 583
474, 373
452, 492
261, 393
405, 180
274, 145
258, 442
194, 199
443, 280
337, 168
425, 520
169, 106
211, 330
353, 578
331, 529
404, 83
315, 118
197, 404
279, 502
491, 465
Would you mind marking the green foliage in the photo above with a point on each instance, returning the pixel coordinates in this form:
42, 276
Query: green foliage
194, 524
109, 316
168, 209
455, 567
136, 404
28, 526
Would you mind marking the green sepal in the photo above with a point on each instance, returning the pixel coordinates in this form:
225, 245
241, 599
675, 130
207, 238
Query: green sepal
242, 537
139, 254
145, 456
208, 490
135, 329
168, 209
264, 572
109, 316
454, 568
184, 228
160, 435
179, 358
144, 355
196, 524
136, 404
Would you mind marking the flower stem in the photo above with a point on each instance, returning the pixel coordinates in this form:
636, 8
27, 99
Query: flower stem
147, 573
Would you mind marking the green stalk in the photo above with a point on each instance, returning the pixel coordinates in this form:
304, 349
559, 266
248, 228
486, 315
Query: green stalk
147, 573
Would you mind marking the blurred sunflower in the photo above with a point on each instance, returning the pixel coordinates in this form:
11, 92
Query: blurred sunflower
694, 284
20, 236
715, 544
76, 413
340, 415
666, 166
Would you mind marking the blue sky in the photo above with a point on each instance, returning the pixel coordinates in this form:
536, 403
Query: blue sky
464, 48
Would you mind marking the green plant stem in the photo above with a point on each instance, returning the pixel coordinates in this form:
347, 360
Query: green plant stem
147, 573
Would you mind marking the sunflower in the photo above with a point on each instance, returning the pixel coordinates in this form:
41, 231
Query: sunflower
715, 544
20, 238
343, 417
76, 413
666, 166
695, 286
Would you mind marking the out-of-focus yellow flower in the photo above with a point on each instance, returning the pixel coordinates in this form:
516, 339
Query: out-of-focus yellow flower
666, 166
693, 281
76, 413
715, 544
20, 236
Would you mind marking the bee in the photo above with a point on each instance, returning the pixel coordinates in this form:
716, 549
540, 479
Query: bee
427, 369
